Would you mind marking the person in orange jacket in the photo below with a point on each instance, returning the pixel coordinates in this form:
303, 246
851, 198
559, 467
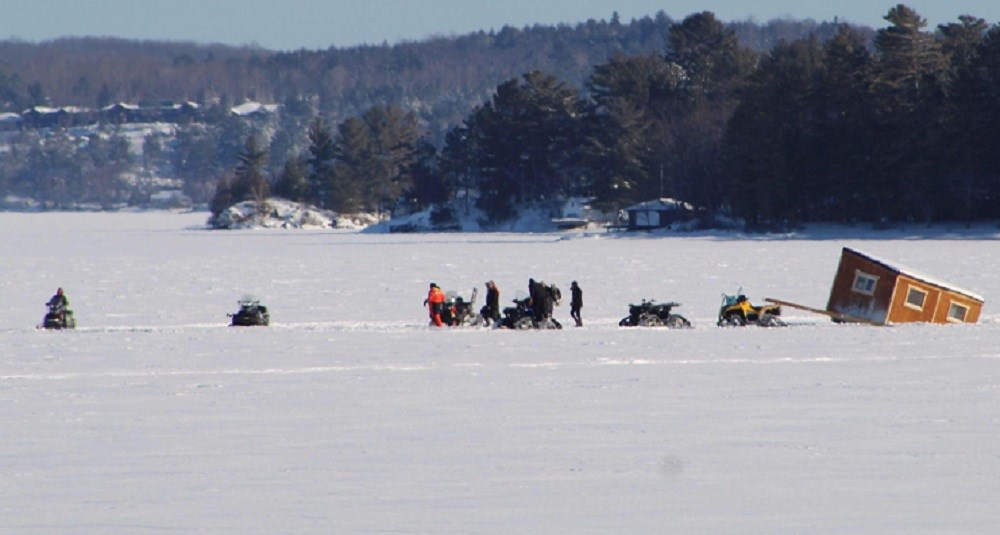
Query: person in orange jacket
435, 302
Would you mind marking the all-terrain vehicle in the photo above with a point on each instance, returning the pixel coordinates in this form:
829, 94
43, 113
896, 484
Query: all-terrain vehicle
457, 311
521, 317
737, 311
251, 313
58, 317
653, 314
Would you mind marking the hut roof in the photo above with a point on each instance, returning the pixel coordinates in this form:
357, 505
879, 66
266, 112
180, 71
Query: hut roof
912, 273
661, 204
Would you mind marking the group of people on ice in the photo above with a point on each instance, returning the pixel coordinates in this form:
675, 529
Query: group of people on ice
535, 311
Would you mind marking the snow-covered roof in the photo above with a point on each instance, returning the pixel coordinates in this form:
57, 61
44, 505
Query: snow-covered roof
912, 273
663, 203
121, 105
250, 107
42, 109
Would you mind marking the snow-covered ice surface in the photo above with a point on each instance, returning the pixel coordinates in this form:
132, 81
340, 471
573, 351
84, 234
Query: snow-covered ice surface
350, 415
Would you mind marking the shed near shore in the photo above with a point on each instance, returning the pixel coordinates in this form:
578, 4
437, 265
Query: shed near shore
882, 292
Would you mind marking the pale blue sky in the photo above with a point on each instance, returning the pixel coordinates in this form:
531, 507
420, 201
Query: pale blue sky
314, 24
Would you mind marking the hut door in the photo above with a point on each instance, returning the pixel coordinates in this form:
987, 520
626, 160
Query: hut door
654, 218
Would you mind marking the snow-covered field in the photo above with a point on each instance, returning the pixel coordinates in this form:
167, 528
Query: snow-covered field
350, 415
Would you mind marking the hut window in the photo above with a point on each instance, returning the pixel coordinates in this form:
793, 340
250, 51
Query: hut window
864, 283
915, 298
957, 312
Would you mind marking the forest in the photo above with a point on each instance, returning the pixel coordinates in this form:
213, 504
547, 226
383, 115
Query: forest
776, 124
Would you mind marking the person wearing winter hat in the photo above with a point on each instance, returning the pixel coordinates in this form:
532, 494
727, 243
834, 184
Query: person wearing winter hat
435, 302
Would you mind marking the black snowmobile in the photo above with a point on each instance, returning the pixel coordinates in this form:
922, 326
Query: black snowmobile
58, 317
521, 317
457, 311
251, 313
653, 314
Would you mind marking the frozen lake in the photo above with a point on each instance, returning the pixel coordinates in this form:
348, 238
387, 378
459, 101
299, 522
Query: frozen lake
350, 415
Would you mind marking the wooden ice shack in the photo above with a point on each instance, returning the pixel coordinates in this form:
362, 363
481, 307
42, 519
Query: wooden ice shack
878, 291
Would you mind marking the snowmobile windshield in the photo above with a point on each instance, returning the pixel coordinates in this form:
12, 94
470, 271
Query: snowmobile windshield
248, 300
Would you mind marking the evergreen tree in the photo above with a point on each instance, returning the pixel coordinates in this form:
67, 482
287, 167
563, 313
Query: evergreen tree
632, 101
320, 162
351, 148
974, 128
429, 185
292, 183
527, 138
908, 81
964, 181
844, 127
249, 182
709, 53
771, 141
387, 158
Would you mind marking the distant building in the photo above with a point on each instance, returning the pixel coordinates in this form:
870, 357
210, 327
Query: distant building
658, 213
875, 290
10, 121
253, 109
577, 212
170, 199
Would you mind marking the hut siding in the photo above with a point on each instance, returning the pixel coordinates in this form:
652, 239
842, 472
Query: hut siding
888, 303
845, 300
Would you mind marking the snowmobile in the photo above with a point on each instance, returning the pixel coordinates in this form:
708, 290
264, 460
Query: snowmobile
653, 314
251, 313
58, 317
521, 317
737, 311
457, 311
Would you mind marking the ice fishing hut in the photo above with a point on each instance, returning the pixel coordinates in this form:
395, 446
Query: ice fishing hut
874, 290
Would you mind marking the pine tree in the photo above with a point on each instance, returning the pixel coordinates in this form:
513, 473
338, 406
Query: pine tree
321, 163
526, 140
292, 183
908, 81
248, 181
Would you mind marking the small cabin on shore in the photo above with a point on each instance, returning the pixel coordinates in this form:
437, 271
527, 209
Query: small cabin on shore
658, 213
882, 292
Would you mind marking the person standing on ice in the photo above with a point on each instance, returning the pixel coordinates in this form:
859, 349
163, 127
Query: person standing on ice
435, 302
536, 298
491, 310
576, 303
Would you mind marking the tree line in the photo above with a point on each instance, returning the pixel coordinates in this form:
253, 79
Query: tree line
900, 125
440, 79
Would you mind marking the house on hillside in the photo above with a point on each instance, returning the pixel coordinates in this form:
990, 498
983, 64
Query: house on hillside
253, 109
875, 290
658, 213
10, 121
45, 117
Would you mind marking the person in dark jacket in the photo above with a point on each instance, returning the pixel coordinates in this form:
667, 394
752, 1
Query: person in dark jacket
491, 310
576, 303
537, 296
59, 301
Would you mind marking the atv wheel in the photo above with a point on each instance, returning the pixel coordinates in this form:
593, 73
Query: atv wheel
524, 324
732, 320
650, 320
676, 321
770, 320
626, 322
